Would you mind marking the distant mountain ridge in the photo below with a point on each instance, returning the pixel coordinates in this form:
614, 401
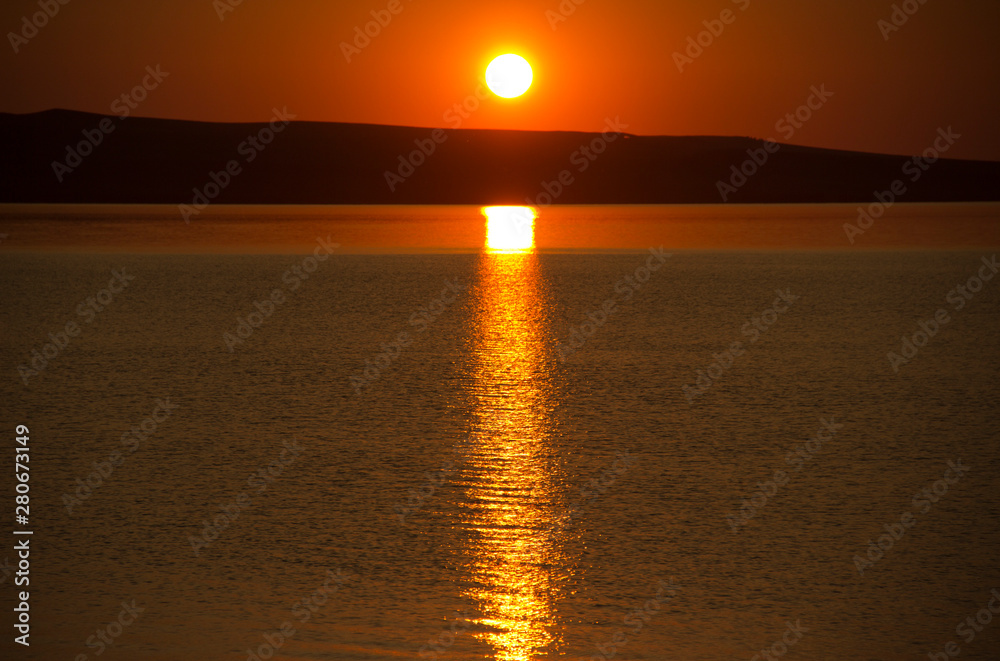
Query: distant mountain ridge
74, 157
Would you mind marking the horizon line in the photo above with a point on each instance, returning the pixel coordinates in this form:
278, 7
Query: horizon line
627, 135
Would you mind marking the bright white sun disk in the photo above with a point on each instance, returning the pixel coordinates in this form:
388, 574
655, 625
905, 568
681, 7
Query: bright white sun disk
509, 75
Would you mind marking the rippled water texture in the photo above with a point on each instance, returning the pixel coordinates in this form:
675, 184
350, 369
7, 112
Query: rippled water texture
508, 454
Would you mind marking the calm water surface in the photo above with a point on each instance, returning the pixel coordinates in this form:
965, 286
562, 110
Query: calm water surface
487, 490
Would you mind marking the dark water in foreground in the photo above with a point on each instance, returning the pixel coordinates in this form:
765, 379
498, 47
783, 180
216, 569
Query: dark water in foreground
544, 501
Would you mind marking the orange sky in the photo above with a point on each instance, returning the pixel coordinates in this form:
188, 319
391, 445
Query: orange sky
606, 59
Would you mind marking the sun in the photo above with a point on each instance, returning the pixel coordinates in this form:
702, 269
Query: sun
509, 76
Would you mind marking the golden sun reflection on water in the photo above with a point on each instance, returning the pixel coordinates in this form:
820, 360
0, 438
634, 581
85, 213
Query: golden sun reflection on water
510, 229
515, 563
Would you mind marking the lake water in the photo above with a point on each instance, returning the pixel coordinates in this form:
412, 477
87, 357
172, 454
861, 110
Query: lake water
507, 455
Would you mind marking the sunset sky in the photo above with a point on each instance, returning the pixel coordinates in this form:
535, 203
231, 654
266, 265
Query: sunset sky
607, 59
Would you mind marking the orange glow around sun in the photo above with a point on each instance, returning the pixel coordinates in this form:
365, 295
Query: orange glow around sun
510, 229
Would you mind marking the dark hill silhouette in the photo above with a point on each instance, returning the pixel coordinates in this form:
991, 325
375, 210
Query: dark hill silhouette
162, 161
